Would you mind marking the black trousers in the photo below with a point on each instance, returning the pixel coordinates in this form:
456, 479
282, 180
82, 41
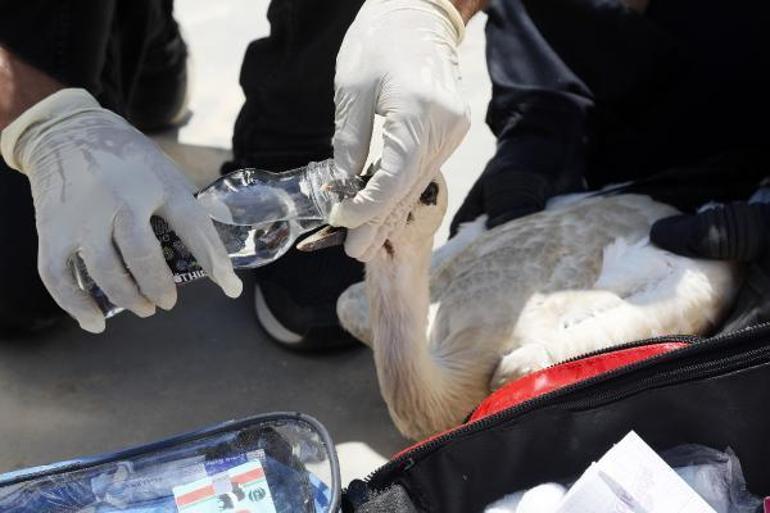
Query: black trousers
584, 91
588, 93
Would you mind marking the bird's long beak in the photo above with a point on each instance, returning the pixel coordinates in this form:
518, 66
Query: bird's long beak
326, 237
330, 236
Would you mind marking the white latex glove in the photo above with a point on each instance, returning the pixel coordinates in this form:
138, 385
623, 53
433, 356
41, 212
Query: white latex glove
399, 60
96, 181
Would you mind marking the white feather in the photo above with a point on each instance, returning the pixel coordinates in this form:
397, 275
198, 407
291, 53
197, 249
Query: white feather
466, 234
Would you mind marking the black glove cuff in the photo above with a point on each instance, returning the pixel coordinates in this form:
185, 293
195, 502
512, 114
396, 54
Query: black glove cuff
515, 189
737, 231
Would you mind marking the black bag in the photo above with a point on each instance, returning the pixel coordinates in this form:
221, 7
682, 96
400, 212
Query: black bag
712, 392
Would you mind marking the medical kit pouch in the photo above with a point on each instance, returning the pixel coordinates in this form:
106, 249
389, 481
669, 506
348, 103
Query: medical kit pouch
551, 425
276, 463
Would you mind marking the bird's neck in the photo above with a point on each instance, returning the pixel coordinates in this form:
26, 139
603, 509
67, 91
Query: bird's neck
410, 378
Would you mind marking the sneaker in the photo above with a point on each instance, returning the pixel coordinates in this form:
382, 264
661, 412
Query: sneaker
295, 298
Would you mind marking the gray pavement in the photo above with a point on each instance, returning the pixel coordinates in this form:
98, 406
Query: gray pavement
68, 394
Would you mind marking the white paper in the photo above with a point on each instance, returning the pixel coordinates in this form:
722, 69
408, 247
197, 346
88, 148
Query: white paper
632, 478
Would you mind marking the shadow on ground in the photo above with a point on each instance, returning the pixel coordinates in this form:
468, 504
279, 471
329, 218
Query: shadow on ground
70, 394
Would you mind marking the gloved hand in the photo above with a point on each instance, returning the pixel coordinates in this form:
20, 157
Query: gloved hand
738, 232
95, 183
540, 154
502, 195
399, 60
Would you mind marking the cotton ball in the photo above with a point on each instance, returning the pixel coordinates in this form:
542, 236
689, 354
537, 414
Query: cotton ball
507, 504
542, 499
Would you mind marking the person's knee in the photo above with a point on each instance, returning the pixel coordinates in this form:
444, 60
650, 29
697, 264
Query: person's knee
24, 302
25, 305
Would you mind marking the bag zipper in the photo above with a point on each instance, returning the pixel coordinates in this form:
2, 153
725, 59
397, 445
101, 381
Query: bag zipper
686, 339
676, 339
377, 481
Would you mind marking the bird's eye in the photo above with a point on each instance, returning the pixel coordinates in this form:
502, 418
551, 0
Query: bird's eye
430, 195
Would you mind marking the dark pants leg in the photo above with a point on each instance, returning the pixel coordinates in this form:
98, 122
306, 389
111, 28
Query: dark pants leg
676, 92
591, 90
670, 87
99, 45
286, 122
288, 80
24, 301
559, 68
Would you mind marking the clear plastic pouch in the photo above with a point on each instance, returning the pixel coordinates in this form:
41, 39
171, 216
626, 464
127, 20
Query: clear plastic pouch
276, 463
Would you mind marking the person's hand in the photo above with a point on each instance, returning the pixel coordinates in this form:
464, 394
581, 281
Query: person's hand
501, 196
539, 155
96, 181
399, 60
738, 231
